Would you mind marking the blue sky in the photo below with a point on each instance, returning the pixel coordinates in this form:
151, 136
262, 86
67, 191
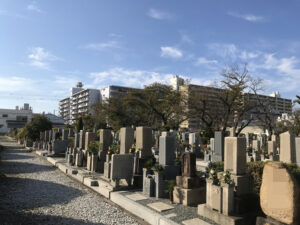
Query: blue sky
47, 46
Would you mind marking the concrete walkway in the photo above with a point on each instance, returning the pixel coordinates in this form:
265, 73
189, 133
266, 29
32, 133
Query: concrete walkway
35, 192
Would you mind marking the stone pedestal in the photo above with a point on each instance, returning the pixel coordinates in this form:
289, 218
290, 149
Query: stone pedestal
79, 158
189, 197
107, 168
159, 185
148, 186
227, 199
89, 161
94, 161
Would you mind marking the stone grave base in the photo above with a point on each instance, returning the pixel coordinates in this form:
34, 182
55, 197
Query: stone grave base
268, 220
243, 184
218, 217
138, 181
189, 197
171, 171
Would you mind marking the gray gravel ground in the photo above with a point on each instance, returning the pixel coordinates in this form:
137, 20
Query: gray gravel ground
34, 192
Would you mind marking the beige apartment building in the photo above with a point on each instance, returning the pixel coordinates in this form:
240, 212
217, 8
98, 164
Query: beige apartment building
277, 104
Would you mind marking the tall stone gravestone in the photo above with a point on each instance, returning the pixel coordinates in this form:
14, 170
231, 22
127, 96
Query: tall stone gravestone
287, 147
105, 141
127, 139
89, 137
297, 144
167, 149
218, 154
76, 140
82, 139
235, 163
64, 134
247, 136
70, 132
144, 141
194, 142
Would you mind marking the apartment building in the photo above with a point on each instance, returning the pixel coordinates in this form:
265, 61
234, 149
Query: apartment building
277, 104
79, 103
114, 91
15, 118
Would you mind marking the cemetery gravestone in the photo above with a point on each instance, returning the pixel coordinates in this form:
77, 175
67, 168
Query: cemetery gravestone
297, 145
279, 194
121, 168
127, 139
218, 154
287, 147
81, 139
144, 141
89, 137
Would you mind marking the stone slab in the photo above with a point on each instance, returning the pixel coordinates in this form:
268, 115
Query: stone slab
41, 153
218, 217
195, 221
137, 209
136, 197
170, 215
54, 161
160, 206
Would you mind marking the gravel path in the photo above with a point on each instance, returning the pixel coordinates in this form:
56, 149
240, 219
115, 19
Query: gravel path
34, 192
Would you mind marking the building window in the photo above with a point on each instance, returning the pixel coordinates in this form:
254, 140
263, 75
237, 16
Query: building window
4, 115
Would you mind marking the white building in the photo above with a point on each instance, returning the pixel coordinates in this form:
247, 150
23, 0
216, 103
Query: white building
114, 91
79, 103
15, 118
176, 81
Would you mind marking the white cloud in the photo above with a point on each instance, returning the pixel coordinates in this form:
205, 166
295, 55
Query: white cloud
12, 14
186, 38
33, 7
170, 52
40, 58
224, 50
247, 17
103, 45
15, 83
245, 55
159, 15
203, 61
127, 77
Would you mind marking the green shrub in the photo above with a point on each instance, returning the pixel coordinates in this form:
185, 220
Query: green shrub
93, 147
217, 166
171, 185
148, 164
158, 168
255, 170
294, 170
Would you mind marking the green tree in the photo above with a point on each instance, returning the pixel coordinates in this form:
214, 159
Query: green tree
39, 123
161, 106
79, 124
236, 98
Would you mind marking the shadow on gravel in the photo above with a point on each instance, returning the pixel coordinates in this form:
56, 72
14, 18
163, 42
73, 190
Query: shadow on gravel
21, 194
14, 167
17, 218
9, 156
